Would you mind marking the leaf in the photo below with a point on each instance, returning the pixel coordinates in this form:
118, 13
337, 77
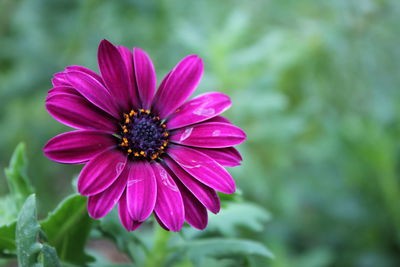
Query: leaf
8, 210
219, 247
67, 229
242, 214
7, 238
18, 182
8, 221
27, 233
50, 258
29, 239
20, 189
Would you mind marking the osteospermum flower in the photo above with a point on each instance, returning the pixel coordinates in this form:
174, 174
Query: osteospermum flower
147, 150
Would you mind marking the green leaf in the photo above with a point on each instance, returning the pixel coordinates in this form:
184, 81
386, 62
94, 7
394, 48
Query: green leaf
18, 182
50, 258
239, 214
27, 234
8, 219
20, 189
67, 229
219, 247
7, 238
29, 239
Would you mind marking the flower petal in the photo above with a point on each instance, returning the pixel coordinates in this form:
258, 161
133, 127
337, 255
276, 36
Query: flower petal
86, 71
227, 157
203, 168
59, 79
199, 109
145, 77
101, 204
127, 57
93, 91
124, 215
195, 212
78, 146
63, 90
160, 222
209, 135
141, 190
169, 205
219, 119
206, 195
75, 111
100, 172
180, 84
115, 76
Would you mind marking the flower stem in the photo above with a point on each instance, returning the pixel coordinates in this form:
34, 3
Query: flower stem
156, 256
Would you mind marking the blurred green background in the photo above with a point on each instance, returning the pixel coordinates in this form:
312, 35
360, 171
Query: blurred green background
315, 84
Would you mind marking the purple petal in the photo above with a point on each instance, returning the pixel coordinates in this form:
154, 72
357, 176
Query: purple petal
85, 70
78, 146
115, 76
93, 91
209, 135
227, 157
101, 204
160, 222
141, 191
59, 79
219, 119
100, 172
145, 77
63, 90
199, 109
180, 84
124, 215
195, 212
169, 205
75, 111
127, 57
206, 195
203, 168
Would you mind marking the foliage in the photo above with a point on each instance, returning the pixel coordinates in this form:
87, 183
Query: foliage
28, 237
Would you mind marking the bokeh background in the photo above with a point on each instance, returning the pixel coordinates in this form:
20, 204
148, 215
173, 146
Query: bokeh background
315, 84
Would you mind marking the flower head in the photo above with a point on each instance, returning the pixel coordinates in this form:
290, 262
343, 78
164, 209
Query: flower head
147, 150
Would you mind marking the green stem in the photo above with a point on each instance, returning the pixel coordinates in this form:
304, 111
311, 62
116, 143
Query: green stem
156, 256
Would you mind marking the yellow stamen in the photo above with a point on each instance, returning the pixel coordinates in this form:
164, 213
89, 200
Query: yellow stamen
166, 134
164, 126
136, 154
147, 111
129, 150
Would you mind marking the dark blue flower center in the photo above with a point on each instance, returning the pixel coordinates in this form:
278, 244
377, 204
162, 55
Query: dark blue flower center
143, 135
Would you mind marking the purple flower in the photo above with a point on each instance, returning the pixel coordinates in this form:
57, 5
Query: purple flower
147, 150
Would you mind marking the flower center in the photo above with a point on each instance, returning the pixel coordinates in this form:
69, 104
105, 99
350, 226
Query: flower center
143, 135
